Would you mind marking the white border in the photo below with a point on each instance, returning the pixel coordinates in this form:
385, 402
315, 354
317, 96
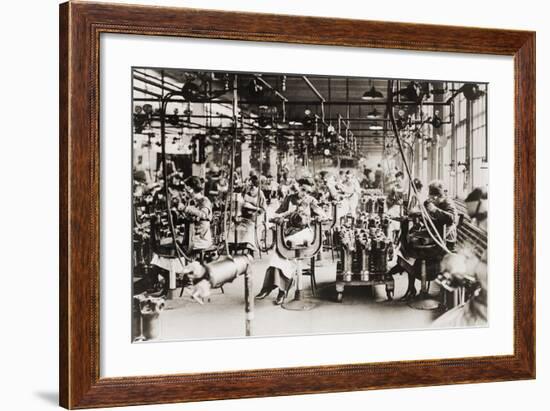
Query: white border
121, 358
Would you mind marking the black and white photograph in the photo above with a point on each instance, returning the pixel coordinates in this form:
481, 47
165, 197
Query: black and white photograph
277, 204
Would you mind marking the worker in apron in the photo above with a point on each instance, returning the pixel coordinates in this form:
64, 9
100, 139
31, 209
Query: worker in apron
298, 212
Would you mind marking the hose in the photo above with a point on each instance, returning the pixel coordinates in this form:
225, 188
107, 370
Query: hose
179, 252
428, 223
231, 170
259, 196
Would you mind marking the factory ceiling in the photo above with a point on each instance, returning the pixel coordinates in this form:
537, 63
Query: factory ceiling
342, 96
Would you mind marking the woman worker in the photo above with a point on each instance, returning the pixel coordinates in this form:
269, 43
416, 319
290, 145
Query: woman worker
298, 213
251, 203
465, 263
199, 212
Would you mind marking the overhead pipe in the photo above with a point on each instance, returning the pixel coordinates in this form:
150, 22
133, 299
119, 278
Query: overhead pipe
318, 94
314, 89
142, 90
345, 121
141, 73
269, 86
310, 102
277, 93
198, 126
155, 84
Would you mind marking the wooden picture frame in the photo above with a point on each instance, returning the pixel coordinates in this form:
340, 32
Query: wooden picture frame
81, 25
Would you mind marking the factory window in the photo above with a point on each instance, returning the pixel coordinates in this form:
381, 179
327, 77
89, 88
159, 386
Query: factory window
464, 146
448, 154
479, 169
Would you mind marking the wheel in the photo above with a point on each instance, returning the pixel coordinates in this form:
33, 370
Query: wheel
339, 297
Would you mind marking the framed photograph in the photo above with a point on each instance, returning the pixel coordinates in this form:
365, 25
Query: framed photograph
259, 205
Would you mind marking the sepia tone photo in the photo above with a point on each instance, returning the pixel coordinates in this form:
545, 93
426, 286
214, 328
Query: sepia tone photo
277, 204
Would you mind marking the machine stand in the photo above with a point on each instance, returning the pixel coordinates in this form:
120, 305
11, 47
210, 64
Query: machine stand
423, 300
299, 302
248, 302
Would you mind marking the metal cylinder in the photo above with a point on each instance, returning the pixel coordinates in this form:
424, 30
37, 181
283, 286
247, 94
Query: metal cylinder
226, 269
150, 308
151, 326
136, 319
248, 303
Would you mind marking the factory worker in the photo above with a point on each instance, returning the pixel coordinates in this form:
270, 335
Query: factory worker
345, 190
442, 211
476, 205
223, 189
396, 201
211, 185
474, 311
285, 183
352, 186
237, 180
465, 264
379, 176
368, 181
397, 192
251, 202
166, 261
298, 214
334, 194
199, 211
271, 188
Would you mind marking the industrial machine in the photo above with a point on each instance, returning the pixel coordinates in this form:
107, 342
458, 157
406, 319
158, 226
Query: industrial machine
215, 274
373, 201
458, 280
364, 248
298, 253
419, 245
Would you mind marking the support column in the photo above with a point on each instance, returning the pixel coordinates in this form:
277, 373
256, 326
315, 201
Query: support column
245, 158
273, 161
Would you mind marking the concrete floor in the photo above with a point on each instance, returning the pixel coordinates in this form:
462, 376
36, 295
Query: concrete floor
360, 311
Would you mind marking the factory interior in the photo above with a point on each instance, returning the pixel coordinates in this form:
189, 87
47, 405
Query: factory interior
271, 204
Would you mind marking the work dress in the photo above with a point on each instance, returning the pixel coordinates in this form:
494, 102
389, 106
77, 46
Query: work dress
299, 211
244, 230
200, 215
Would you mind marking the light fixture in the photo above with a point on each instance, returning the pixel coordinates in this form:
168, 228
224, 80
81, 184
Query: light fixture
411, 92
472, 91
190, 91
374, 114
375, 127
372, 94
